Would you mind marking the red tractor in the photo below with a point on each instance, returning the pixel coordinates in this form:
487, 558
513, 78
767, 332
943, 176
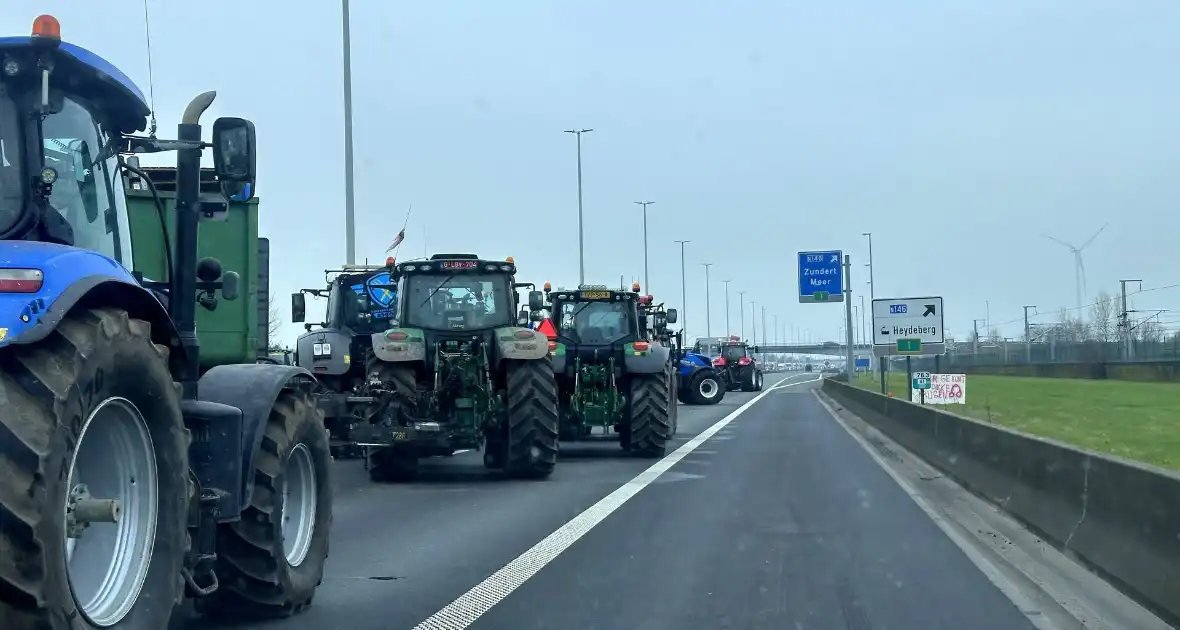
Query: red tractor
737, 367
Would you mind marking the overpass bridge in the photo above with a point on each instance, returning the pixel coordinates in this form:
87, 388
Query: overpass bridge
829, 348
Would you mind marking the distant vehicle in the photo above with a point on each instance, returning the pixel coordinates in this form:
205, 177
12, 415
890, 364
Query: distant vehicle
807, 368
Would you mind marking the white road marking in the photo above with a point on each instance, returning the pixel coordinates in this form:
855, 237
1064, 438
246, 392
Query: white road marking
471, 605
1024, 604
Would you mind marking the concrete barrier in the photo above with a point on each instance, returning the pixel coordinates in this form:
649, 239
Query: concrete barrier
1120, 518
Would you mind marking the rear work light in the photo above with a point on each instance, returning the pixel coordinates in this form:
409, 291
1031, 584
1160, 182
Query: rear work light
21, 280
552, 346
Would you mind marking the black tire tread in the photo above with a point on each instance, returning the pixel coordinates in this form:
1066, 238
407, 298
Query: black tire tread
386, 465
650, 409
32, 406
248, 566
532, 418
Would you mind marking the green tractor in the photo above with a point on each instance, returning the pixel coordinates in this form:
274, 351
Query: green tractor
613, 372
459, 369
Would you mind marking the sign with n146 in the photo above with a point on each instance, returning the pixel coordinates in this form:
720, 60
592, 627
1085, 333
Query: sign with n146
918, 321
821, 276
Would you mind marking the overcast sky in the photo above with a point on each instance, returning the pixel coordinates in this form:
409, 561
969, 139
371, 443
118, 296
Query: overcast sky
956, 132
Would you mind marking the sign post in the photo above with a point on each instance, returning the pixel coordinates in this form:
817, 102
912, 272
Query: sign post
921, 382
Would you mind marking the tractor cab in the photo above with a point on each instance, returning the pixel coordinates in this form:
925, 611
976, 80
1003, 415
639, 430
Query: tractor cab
456, 298
595, 322
66, 116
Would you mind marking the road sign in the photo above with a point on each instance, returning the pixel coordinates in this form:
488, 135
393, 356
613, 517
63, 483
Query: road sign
909, 346
821, 277
920, 383
908, 326
944, 389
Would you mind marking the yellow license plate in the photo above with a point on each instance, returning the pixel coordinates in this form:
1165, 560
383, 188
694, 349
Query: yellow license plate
399, 435
596, 295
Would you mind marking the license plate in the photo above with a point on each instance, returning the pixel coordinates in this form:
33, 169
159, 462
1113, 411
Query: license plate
596, 295
399, 435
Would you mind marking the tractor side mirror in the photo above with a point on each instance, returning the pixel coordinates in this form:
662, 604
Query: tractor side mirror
522, 318
672, 317
298, 308
536, 300
235, 156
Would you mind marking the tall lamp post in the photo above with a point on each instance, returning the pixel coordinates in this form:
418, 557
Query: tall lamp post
708, 315
728, 331
646, 284
683, 291
581, 235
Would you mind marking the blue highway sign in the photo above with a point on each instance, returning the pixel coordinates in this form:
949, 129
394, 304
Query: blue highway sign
821, 276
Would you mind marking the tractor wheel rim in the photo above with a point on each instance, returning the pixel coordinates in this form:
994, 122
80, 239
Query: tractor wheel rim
299, 504
107, 558
708, 388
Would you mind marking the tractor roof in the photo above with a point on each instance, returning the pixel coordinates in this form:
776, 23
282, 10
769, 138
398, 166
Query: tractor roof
458, 263
128, 105
591, 293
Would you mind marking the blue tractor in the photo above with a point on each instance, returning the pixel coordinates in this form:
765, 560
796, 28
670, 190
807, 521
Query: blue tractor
132, 480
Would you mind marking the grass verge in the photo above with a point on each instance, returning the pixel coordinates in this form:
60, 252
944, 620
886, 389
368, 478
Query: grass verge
1139, 421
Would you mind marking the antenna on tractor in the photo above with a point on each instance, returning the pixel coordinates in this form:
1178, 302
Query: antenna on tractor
147, 27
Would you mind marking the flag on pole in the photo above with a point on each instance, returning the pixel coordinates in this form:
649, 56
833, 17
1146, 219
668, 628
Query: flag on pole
397, 240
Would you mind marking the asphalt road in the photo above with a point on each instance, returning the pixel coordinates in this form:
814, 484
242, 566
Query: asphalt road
770, 515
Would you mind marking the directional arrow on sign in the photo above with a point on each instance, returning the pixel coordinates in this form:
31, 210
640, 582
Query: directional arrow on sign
929, 310
835, 258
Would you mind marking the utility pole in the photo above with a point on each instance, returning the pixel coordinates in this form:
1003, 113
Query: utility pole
645, 204
708, 315
728, 331
849, 360
753, 324
581, 237
349, 191
742, 313
872, 285
975, 338
1125, 322
764, 337
1027, 336
683, 292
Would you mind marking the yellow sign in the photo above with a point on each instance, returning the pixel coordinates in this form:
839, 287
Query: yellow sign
3, 334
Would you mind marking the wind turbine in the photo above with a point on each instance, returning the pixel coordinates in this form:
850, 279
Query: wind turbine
1079, 266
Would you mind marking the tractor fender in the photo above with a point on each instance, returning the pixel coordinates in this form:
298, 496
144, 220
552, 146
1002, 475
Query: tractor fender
522, 344
651, 361
400, 345
253, 388
74, 278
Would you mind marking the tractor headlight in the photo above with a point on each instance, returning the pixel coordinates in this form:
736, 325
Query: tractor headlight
321, 350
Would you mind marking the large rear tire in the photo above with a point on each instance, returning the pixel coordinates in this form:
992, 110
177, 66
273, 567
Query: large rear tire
649, 415
271, 561
96, 381
531, 451
393, 464
705, 388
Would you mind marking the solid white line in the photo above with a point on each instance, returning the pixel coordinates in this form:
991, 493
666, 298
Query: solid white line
471, 605
1023, 603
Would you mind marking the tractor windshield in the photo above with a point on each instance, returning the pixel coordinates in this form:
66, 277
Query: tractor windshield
596, 323
88, 192
458, 301
365, 303
12, 186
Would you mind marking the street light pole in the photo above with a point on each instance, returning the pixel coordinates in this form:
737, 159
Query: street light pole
646, 285
708, 315
349, 195
872, 285
753, 323
742, 313
683, 291
581, 236
728, 331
